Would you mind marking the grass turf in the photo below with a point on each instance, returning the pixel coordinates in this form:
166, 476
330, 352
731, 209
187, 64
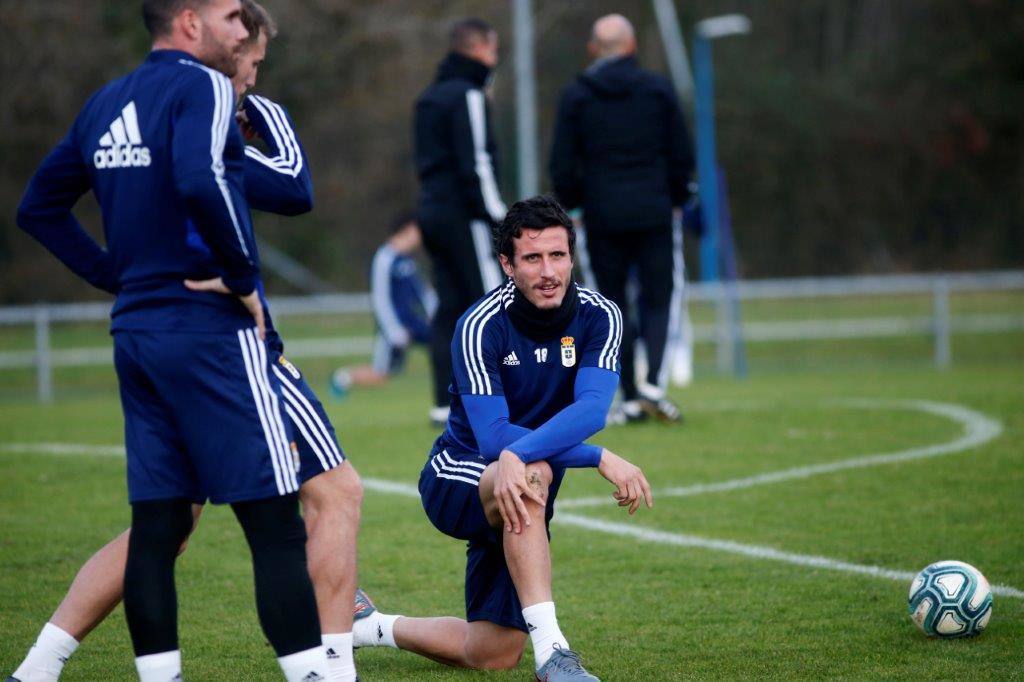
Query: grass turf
634, 609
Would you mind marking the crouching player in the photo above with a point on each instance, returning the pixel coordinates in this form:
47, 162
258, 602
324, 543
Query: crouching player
536, 367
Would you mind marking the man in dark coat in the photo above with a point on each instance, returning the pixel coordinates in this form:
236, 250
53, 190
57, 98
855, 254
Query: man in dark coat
456, 161
622, 153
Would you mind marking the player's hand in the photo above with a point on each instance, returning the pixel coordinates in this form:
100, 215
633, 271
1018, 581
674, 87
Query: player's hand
631, 486
509, 487
251, 301
248, 131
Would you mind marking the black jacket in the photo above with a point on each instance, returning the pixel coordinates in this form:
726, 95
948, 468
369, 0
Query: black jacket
621, 148
456, 157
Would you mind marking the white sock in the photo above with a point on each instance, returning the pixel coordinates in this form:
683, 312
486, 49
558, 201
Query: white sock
377, 629
162, 667
46, 658
304, 665
544, 632
339, 657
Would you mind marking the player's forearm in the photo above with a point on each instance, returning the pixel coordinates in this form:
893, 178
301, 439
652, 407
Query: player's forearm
271, 190
570, 427
594, 391
62, 235
217, 219
489, 420
579, 456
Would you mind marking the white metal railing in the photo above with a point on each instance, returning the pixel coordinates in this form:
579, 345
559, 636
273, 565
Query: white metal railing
725, 333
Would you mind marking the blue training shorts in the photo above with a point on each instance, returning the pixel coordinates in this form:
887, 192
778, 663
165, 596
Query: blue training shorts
206, 417
314, 434
449, 491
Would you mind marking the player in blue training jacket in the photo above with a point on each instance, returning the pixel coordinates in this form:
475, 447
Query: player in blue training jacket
536, 366
403, 305
278, 181
202, 402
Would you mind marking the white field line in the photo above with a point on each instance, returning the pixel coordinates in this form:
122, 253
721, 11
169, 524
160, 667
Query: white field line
978, 429
659, 537
752, 551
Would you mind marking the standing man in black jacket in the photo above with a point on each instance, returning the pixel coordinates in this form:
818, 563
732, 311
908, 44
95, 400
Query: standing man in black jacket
456, 160
623, 154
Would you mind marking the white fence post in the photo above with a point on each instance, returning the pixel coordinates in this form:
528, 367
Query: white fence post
941, 325
44, 364
723, 326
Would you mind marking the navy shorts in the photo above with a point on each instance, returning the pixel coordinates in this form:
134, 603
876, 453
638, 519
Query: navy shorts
203, 417
449, 491
314, 434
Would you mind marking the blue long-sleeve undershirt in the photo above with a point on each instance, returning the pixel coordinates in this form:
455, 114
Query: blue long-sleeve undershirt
559, 441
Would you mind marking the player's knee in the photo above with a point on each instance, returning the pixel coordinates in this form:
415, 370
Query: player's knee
160, 526
336, 495
505, 658
539, 477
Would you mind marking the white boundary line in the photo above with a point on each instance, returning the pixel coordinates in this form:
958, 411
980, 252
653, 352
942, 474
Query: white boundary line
682, 540
978, 430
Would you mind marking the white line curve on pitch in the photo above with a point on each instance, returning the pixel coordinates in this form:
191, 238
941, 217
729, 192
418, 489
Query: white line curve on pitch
978, 429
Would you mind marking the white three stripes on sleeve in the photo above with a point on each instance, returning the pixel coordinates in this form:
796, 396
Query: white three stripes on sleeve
223, 98
289, 158
472, 343
610, 350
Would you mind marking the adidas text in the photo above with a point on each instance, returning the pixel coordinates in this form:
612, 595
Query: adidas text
122, 157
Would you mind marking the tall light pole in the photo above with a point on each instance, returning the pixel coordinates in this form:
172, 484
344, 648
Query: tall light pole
731, 353
707, 160
526, 98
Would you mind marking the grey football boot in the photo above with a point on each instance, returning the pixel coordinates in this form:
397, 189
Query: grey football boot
363, 606
564, 664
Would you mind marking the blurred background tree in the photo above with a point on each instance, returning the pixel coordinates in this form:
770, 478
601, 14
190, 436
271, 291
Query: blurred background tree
858, 135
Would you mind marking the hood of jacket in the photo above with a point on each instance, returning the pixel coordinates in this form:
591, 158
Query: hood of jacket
612, 78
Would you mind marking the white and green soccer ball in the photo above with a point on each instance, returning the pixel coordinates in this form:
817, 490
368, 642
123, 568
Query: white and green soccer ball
950, 599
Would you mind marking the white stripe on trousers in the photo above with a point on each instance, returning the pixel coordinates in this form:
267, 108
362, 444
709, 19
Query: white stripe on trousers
272, 445
274, 415
318, 433
673, 335
490, 275
589, 279
382, 355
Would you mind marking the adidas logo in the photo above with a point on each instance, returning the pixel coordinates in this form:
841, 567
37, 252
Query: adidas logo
331, 653
511, 360
120, 145
530, 626
313, 676
380, 632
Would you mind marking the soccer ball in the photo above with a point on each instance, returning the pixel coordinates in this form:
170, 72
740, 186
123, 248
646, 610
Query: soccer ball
950, 599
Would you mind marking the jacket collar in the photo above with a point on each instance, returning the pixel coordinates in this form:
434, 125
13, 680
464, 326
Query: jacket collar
455, 65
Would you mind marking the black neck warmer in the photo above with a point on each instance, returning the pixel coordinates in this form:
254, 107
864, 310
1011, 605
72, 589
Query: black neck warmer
542, 325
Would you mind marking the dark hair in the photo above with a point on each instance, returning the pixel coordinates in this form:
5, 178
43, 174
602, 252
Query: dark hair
158, 14
400, 220
256, 19
466, 31
535, 213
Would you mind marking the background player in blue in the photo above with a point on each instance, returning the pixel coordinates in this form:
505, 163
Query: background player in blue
278, 181
403, 305
203, 417
535, 369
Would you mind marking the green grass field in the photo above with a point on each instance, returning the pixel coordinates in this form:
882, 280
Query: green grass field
647, 598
